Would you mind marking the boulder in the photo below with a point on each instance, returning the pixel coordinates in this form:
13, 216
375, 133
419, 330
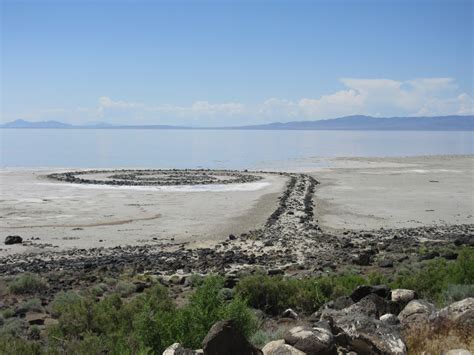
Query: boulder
278, 347
225, 338
428, 256
364, 334
177, 349
373, 306
342, 302
317, 340
416, 312
464, 240
13, 239
389, 318
403, 296
35, 318
386, 263
461, 313
362, 291
363, 259
289, 313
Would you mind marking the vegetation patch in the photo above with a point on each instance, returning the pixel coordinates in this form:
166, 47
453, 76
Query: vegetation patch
27, 283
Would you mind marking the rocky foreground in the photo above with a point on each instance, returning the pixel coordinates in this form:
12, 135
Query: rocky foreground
372, 320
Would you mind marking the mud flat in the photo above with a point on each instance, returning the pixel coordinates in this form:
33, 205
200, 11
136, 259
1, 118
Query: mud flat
370, 193
54, 215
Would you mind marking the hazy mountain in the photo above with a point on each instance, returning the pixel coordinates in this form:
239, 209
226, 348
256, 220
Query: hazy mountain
41, 124
441, 123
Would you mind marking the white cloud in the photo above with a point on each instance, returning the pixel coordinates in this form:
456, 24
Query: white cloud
376, 97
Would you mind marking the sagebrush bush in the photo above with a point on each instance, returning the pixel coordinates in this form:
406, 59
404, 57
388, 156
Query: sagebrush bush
98, 290
33, 305
27, 283
273, 294
125, 288
148, 323
456, 293
432, 279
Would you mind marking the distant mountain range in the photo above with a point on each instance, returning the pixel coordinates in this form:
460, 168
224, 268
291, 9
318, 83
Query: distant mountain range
439, 123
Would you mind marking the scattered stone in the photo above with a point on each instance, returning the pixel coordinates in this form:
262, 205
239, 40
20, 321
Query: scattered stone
224, 338
13, 239
232, 237
363, 259
386, 263
429, 256
274, 272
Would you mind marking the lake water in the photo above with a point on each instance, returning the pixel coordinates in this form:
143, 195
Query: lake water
101, 148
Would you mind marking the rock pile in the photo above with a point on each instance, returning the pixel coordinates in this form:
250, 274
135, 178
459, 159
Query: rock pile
376, 321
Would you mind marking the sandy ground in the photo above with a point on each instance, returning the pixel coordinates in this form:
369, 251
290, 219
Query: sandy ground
68, 215
371, 193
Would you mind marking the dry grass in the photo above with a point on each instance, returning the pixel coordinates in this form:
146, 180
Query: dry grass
439, 336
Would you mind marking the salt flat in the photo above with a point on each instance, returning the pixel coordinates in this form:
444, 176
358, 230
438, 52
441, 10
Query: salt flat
66, 216
371, 193
354, 193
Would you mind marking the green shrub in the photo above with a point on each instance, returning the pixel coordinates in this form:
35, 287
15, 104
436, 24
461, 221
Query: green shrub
13, 327
27, 283
432, 279
125, 288
31, 305
10, 345
34, 332
149, 322
273, 294
99, 289
62, 301
7, 313
456, 293
196, 280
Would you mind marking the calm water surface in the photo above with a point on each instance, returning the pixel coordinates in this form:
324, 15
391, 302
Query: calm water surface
95, 148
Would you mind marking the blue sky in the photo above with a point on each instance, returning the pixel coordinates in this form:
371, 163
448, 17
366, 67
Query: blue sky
234, 62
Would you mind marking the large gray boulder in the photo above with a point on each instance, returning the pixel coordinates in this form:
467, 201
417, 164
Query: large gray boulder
356, 328
458, 309
316, 340
278, 347
403, 296
416, 313
224, 338
372, 305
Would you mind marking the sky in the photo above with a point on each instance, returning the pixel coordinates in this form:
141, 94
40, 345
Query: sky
208, 63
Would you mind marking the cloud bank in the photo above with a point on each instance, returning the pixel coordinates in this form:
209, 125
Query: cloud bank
374, 97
